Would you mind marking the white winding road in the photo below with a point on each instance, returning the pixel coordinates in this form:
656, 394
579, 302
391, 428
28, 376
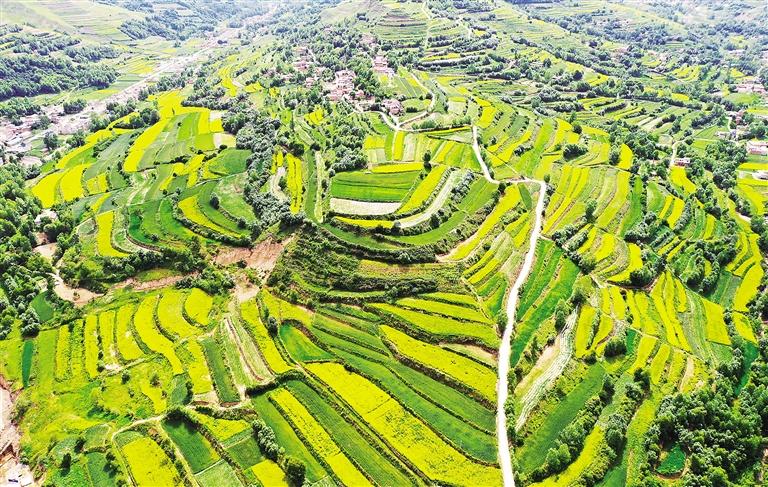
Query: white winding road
502, 386
479, 155
674, 153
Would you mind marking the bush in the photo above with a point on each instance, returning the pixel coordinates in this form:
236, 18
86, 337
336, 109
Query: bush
616, 346
295, 470
74, 106
574, 150
266, 439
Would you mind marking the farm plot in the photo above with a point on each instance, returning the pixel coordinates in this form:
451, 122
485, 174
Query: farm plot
401, 430
104, 243
146, 327
442, 327
148, 463
363, 186
195, 448
373, 462
450, 364
510, 199
318, 438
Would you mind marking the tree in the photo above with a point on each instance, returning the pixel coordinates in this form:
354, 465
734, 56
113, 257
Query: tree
615, 346
79, 443
74, 106
295, 470
42, 122
561, 314
574, 150
30, 323
66, 461
643, 378
272, 325
558, 458
266, 439
51, 141
589, 211
77, 139
214, 202
614, 431
614, 156
509, 410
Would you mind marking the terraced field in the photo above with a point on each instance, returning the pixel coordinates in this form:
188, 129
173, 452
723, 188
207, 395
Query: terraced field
403, 243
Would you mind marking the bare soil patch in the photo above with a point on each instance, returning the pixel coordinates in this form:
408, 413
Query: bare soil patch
138, 285
11, 468
261, 257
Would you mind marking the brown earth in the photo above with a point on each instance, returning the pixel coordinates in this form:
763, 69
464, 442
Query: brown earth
12, 470
262, 257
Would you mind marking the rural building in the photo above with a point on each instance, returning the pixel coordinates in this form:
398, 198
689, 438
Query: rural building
737, 117
46, 213
368, 40
394, 107
303, 61
728, 134
757, 148
366, 103
381, 66
342, 85
301, 66
682, 161
750, 87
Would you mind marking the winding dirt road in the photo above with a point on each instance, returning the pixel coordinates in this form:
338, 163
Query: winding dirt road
502, 386
479, 156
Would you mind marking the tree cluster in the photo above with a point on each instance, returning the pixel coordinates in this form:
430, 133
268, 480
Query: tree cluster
22, 271
722, 427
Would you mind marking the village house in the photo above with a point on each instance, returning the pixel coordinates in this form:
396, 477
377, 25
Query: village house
368, 40
757, 148
750, 87
342, 85
381, 66
366, 103
737, 117
303, 62
46, 213
392, 106
682, 161
619, 52
301, 66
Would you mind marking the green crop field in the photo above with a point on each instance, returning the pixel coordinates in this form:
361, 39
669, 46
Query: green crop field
372, 186
194, 447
